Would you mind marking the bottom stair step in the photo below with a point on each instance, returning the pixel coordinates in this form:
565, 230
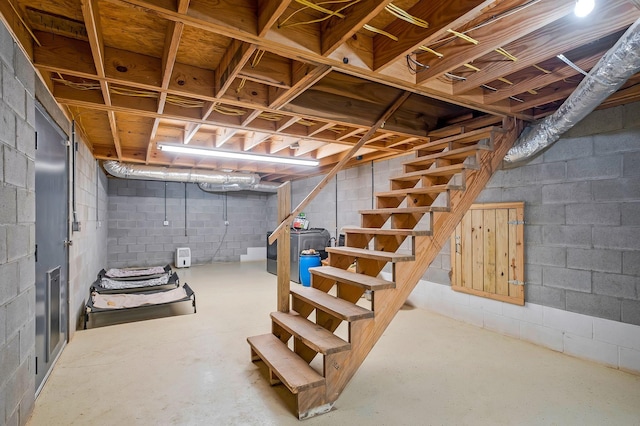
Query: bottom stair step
292, 370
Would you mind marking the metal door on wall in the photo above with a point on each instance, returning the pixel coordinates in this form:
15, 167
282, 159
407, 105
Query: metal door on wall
51, 243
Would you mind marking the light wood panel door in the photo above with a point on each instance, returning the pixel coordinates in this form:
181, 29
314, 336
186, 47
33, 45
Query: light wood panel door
487, 252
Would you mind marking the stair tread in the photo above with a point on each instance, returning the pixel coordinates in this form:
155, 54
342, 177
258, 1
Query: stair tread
464, 151
472, 136
372, 254
292, 370
344, 276
313, 335
386, 231
449, 170
340, 308
434, 189
405, 210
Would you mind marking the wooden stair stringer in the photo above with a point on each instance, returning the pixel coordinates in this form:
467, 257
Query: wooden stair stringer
407, 274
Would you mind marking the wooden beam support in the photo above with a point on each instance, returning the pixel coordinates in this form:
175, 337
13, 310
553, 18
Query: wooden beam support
553, 40
269, 11
232, 62
441, 15
336, 31
388, 113
304, 76
284, 244
490, 37
542, 99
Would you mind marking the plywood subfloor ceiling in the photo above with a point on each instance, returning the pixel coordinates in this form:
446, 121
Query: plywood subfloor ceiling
306, 78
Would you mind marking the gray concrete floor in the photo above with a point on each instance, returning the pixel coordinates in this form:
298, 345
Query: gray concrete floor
426, 369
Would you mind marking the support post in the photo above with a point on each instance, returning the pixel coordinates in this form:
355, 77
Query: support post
284, 244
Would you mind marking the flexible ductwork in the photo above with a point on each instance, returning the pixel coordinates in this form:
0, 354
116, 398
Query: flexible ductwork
213, 181
612, 71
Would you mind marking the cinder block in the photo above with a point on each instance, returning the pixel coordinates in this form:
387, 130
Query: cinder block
548, 256
619, 141
15, 167
593, 214
487, 305
528, 194
624, 189
533, 234
594, 260
543, 336
631, 264
630, 212
7, 125
569, 235
26, 273
568, 322
569, 148
590, 349
566, 193
26, 205
27, 340
595, 305
601, 121
17, 314
621, 237
631, 165
468, 314
544, 173
617, 333
24, 71
3, 335
489, 195
629, 360
9, 359
501, 324
568, 279
17, 242
13, 92
631, 311
599, 167
6, 46
530, 312
3, 245
532, 274
615, 285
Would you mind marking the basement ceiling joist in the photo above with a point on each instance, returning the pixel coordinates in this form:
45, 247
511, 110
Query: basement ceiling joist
287, 79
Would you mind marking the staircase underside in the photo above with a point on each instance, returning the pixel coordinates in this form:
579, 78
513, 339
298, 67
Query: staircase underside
407, 229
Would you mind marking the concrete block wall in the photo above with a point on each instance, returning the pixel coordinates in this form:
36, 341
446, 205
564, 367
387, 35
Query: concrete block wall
137, 236
17, 233
88, 254
582, 234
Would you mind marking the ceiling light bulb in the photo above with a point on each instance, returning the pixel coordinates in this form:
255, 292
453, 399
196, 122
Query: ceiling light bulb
584, 7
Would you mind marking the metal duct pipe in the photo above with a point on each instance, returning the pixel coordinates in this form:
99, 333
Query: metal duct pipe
136, 171
258, 187
612, 71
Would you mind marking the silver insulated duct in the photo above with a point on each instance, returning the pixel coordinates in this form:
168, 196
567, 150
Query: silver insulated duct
210, 181
612, 71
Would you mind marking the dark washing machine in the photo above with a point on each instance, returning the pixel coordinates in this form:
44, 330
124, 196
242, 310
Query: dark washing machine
301, 239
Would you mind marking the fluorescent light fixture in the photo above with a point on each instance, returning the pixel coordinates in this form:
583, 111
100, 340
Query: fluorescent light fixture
584, 7
182, 149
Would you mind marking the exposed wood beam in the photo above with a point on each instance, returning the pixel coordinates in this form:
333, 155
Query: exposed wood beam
286, 122
441, 15
225, 137
538, 79
247, 119
495, 35
542, 99
379, 123
268, 13
278, 143
91, 15
15, 22
253, 139
337, 31
553, 40
304, 76
319, 128
232, 62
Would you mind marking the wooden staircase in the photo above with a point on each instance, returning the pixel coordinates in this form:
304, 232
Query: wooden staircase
407, 230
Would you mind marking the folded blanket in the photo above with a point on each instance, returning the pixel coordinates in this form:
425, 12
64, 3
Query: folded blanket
119, 301
116, 285
134, 272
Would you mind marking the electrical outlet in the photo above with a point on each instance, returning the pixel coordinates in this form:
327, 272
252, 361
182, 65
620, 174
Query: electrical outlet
166, 223
226, 223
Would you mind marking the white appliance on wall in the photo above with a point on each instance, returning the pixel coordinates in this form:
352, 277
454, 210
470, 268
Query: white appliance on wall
183, 257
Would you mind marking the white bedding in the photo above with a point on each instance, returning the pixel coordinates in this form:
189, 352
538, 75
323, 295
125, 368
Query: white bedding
119, 301
134, 272
117, 285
